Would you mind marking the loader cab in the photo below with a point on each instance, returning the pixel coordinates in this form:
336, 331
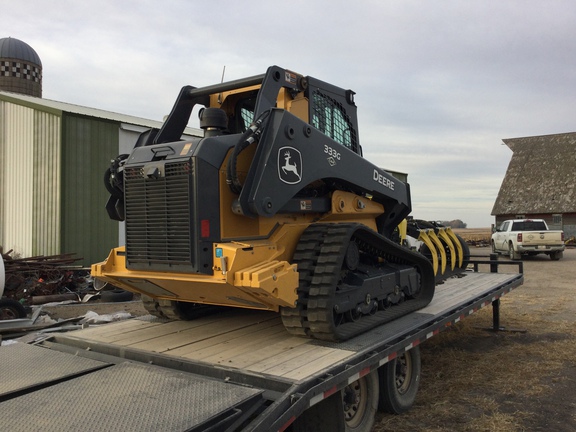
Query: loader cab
239, 106
315, 105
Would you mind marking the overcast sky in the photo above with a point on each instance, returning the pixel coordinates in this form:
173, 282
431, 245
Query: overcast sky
438, 84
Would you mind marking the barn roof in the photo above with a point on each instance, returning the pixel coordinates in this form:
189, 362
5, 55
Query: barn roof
541, 176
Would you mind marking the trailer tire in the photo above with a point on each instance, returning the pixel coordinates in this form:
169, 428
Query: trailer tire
324, 416
360, 403
11, 309
399, 380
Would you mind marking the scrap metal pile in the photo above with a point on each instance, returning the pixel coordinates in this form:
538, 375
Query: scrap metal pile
40, 279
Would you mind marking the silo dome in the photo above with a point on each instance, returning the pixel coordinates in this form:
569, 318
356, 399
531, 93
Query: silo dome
20, 68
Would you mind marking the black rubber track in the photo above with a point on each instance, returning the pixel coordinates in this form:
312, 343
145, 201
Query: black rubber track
326, 246
306, 256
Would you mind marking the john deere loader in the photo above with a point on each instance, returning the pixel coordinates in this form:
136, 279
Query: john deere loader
274, 208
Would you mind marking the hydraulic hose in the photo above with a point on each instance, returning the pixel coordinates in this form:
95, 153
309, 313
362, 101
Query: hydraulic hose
251, 135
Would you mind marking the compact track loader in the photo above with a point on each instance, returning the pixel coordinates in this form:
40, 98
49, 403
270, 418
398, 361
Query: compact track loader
274, 208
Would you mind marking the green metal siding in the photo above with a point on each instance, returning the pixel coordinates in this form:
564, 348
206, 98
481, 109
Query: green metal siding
88, 144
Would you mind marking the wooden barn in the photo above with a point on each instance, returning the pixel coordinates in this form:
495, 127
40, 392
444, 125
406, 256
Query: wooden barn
540, 181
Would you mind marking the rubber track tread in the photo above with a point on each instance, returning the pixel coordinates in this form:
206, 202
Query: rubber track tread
306, 255
319, 315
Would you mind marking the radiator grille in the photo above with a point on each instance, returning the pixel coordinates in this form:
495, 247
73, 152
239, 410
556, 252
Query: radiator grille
158, 228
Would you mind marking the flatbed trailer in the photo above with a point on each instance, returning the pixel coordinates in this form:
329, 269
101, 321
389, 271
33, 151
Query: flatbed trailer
239, 370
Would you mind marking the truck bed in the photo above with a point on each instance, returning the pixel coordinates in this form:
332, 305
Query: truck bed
216, 371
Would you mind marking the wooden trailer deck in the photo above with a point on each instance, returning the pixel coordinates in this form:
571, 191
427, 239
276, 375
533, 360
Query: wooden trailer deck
256, 342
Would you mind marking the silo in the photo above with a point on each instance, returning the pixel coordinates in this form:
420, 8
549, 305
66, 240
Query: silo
20, 68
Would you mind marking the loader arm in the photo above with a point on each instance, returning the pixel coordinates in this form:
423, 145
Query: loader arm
291, 155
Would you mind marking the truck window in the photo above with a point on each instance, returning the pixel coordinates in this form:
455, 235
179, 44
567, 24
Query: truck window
529, 226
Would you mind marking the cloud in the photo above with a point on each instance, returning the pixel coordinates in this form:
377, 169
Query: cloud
438, 84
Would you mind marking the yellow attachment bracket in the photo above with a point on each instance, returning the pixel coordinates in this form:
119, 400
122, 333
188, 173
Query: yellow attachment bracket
276, 281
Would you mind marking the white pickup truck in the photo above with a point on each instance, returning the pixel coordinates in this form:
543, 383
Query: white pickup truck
527, 237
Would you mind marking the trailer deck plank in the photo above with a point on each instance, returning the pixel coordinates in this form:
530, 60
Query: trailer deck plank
454, 292
106, 333
258, 340
223, 324
223, 341
282, 350
310, 363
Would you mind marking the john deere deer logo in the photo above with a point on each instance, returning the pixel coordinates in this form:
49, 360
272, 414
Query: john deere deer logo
289, 165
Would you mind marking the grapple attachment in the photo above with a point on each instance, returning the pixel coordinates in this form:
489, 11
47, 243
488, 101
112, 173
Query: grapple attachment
447, 251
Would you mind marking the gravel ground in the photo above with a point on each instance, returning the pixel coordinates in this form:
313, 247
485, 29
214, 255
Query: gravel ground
476, 380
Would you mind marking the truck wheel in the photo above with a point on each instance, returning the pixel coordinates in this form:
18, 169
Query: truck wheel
555, 256
11, 309
399, 379
511, 253
360, 403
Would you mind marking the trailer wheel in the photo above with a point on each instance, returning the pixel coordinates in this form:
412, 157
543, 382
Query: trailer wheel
11, 309
325, 416
399, 379
360, 403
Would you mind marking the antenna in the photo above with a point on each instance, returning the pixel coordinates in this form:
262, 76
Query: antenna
221, 81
